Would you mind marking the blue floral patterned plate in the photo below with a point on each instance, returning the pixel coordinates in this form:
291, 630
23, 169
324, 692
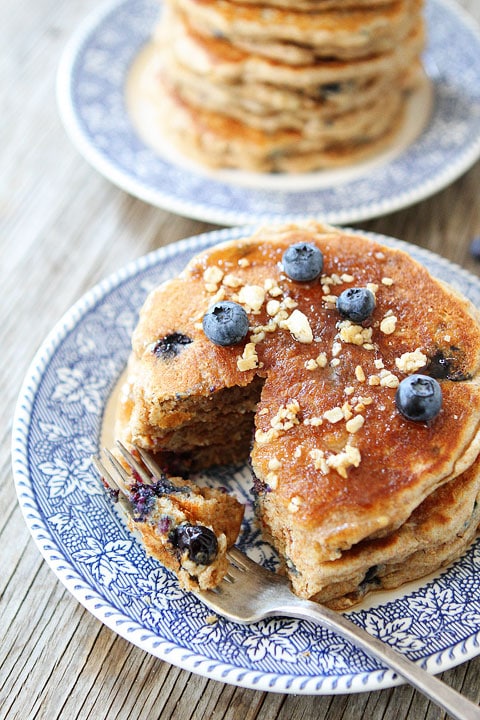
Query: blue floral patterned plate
62, 418
92, 102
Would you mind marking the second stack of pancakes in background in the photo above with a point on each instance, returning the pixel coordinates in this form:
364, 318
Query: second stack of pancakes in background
285, 85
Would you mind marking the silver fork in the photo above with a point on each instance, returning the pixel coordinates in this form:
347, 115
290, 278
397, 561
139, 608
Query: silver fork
250, 592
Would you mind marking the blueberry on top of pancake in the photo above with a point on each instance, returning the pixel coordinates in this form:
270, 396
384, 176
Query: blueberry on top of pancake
336, 464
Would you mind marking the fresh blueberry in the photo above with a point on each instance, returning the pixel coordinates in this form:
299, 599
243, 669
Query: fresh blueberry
170, 345
475, 248
143, 495
200, 542
356, 304
225, 323
302, 262
332, 88
419, 398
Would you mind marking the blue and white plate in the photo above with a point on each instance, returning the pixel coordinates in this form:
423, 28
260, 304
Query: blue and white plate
62, 418
91, 95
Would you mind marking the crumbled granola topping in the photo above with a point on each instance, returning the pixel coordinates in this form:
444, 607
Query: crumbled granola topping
388, 324
232, 281
263, 437
340, 462
299, 326
295, 504
272, 288
355, 423
315, 421
348, 457
273, 306
249, 358
354, 334
251, 297
410, 362
388, 379
360, 374
286, 417
282, 312
334, 415
213, 276
319, 462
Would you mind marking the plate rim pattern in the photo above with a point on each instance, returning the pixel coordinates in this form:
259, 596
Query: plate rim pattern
270, 206
90, 597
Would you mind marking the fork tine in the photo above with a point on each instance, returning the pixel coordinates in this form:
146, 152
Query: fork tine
149, 462
105, 474
115, 484
123, 478
134, 464
241, 561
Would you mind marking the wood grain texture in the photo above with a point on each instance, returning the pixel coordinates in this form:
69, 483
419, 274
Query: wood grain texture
63, 228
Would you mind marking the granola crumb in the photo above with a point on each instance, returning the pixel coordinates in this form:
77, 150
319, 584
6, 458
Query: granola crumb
354, 334
410, 362
334, 415
232, 281
295, 504
299, 326
249, 358
359, 373
213, 275
348, 457
388, 324
355, 424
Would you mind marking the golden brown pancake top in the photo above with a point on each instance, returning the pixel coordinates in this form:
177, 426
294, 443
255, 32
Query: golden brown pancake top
401, 462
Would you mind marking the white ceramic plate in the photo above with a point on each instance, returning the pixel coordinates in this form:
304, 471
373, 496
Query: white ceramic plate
91, 96
59, 420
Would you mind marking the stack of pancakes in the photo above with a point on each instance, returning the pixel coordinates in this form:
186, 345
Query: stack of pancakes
353, 495
280, 85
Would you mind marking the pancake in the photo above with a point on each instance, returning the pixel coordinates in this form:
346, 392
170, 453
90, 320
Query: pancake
367, 120
345, 34
219, 140
316, 5
244, 101
281, 89
435, 534
176, 505
219, 60
337, 468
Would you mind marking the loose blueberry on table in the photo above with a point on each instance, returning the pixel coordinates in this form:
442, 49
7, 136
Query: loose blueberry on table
475, 248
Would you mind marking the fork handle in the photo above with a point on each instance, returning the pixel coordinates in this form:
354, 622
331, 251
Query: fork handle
456, 705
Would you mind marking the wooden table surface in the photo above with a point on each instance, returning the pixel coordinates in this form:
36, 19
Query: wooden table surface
63, 228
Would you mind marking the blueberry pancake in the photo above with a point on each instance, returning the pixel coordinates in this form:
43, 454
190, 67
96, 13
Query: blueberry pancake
221, 61
187, 528
346, 33
263, 145
435, 534
345, 373
281, 87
